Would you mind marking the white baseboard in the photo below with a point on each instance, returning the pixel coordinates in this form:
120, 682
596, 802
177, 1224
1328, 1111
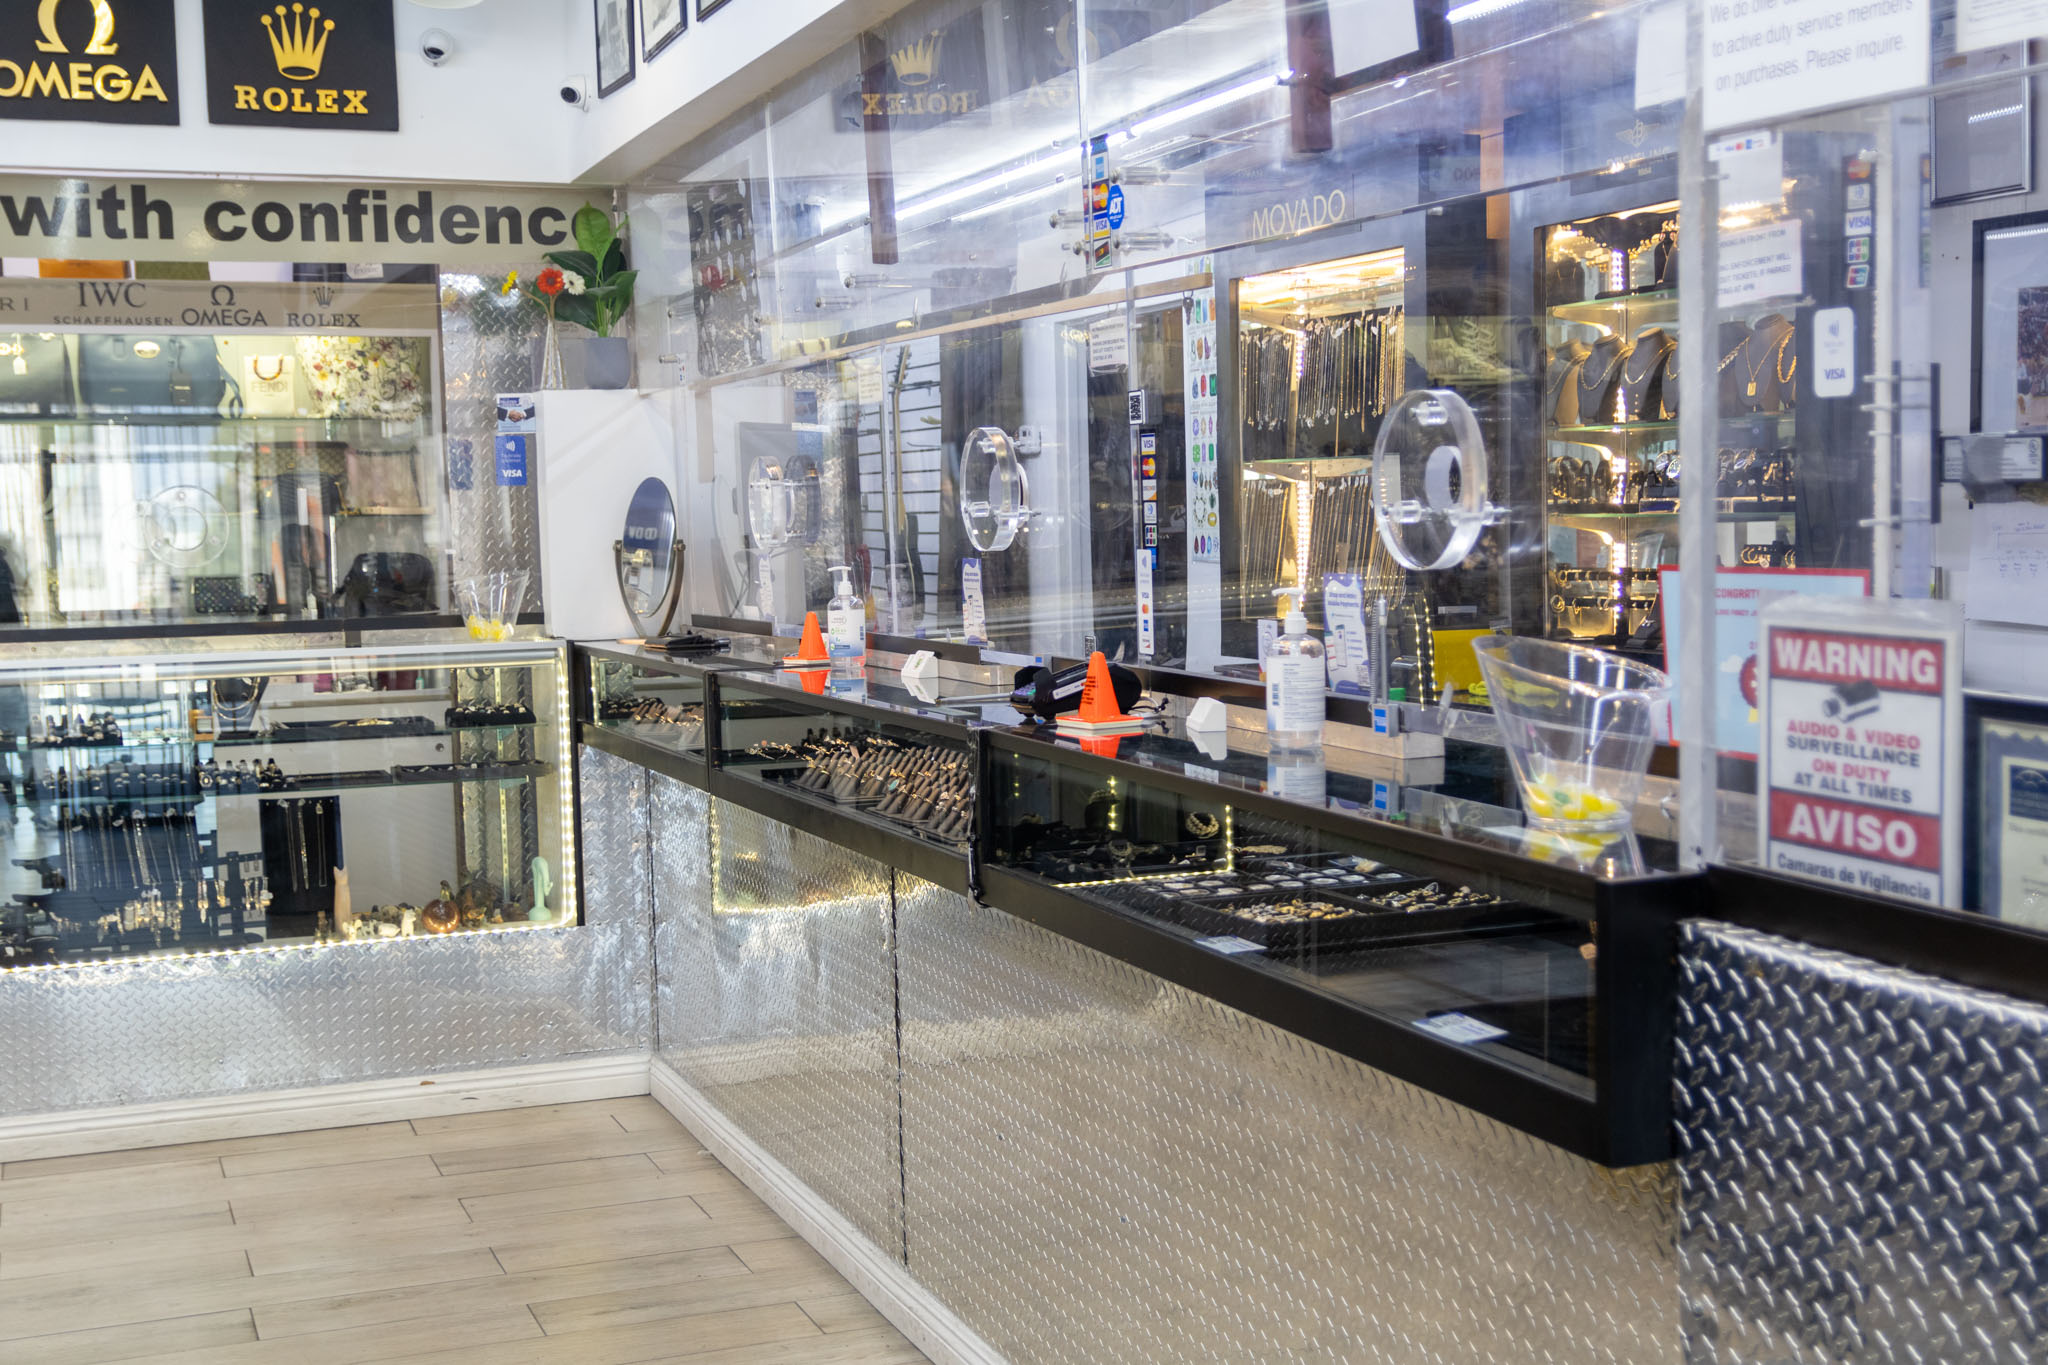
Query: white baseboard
329, 1106
878, 1276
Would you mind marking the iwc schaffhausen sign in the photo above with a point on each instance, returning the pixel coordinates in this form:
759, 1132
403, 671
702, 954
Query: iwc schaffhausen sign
94, 61
302, 65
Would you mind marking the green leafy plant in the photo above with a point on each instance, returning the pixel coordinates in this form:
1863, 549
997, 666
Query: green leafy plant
597, 288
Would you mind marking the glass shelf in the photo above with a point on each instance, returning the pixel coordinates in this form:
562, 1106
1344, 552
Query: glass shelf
1616, 429
1592, 311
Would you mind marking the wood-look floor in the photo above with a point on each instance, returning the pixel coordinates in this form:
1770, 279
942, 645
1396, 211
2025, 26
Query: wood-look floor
581, 1234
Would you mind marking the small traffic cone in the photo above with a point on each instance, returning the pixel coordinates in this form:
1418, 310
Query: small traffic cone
810, 651
1102, 746
1099, 714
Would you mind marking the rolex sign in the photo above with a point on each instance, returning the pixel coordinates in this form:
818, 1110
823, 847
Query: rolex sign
90, 61
302, 64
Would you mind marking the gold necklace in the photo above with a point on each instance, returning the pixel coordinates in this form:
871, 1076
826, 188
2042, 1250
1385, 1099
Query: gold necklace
1756, 369
1778, 365
1630, 378
1601, 381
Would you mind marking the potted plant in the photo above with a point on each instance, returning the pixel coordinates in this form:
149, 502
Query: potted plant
591, 288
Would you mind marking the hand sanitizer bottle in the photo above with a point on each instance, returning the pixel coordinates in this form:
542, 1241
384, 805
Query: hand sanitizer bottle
1294, 681
846, 633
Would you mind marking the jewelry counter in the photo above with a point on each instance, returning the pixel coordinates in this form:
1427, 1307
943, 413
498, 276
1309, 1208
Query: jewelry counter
212, 802
1400, 914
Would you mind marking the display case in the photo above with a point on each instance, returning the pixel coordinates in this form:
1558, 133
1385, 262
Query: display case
1402, 913
859, 758
156, 476
1610, 307
181, 803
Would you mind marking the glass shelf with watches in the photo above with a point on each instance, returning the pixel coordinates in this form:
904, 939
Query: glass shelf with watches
220, 820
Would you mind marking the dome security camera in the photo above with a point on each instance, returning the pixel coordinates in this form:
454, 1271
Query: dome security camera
436, 47
575, 92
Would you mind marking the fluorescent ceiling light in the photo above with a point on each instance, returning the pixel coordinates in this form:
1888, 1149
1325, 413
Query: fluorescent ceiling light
1479, 9
1207, 104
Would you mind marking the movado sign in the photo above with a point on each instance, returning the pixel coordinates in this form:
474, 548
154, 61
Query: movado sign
93, 61
299, 65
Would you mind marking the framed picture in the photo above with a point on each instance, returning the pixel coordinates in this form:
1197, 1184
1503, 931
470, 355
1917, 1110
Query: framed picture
1372, 43
614, 45
2009, 364
2006, 748
1982, 132
707, 8
661, 23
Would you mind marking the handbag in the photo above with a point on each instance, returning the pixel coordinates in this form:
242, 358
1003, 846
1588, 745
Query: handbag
383, 584
148, 374
231, 596
270, 385
35, 376
381, 481
365, 376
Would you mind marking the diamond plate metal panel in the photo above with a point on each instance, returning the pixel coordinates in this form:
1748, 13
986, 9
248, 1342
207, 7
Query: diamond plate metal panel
184, 1028
1862, 1161
487, 349
779, 999
686, 975
1101, 1166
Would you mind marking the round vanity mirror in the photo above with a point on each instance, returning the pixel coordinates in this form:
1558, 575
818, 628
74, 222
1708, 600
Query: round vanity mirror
1429, 480
995, 498
647, 548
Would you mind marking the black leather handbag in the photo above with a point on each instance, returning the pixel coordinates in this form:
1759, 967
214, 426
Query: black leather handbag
151, 374
231, 596
387, 585
35, 376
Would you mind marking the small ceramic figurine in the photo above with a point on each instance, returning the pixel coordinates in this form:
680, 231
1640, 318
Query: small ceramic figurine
543, 882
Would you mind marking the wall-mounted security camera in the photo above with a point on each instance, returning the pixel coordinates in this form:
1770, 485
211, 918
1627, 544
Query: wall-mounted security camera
436, 46
575, 92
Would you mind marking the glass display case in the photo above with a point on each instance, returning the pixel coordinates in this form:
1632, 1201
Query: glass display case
213, 802
860, 758
156, 476
1408, 899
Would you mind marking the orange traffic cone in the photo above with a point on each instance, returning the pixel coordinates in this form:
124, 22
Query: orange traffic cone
810, 651
1099, 714
1102, 746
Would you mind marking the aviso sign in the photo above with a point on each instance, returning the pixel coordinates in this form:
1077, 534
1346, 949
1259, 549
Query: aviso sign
210, 220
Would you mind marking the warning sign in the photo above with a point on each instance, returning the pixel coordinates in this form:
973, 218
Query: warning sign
1861, 760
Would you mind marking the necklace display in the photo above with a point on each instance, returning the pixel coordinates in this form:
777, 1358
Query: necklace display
1597, 376
1561, 382
1641, 378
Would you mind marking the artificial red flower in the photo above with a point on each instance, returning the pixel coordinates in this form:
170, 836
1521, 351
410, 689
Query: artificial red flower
550, 282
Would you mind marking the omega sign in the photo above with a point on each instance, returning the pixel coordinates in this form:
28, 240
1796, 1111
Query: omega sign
95, 61
302, 64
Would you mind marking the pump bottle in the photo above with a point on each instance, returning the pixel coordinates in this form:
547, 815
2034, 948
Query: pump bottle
846, 631
1294, 681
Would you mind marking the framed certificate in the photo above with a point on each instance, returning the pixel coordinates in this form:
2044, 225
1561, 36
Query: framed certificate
615, 45
661, 23
2007, 750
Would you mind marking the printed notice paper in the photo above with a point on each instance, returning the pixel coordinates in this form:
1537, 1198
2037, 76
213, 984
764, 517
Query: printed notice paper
2008, 563
1987, 23
1767, 59
1761, 263
1861, 764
